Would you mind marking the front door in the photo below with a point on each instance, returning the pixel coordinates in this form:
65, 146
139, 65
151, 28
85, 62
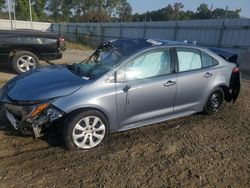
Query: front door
145, 88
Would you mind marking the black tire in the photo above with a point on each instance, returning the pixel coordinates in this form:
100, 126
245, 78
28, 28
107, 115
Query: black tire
72, 120
214, 101
25, 55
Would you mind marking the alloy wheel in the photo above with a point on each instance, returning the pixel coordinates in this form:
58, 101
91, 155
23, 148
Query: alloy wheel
88, 132
26, 63
215, 102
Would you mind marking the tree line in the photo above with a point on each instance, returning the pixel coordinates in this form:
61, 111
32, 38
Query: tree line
108, 11
176, 12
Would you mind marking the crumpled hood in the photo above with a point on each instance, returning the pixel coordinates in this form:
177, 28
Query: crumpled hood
44, 83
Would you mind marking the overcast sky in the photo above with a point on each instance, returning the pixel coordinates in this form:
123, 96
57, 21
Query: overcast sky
147, 5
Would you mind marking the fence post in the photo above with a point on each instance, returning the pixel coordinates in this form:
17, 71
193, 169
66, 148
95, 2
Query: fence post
144, 30
176, 30
221, 33
102, 32
77, 33
120, 30
59, 29
51, 27
88, 35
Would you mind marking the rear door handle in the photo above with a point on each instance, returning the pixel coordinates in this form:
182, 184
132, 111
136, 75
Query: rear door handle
169, 83
207, 75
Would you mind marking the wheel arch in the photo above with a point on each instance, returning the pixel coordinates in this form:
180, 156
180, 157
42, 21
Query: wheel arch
225, 90
22, 49
83, 109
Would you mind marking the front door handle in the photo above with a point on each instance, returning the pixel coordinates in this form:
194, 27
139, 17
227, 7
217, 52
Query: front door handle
207, 75
169, 83
126, 88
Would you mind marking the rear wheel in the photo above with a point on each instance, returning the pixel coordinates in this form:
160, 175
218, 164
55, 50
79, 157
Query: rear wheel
85, 130
214, 101
24, 61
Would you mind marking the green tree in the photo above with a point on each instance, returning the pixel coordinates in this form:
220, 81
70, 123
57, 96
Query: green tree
124, 10
39, 8
169, 12
101, 10
203, 12
88, 10
111, 6
2, 4
225, 14
175, 12
22, 10
3, 15
177, 9
59, 10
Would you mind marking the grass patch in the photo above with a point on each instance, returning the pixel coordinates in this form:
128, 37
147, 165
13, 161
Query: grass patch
78, 46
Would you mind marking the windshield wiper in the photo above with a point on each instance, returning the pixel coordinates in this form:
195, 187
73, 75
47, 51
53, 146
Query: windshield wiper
102, 46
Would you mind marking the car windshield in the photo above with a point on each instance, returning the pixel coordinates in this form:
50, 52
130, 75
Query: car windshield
108, 55
97, 65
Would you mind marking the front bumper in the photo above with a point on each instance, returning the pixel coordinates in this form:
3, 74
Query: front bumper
19, 118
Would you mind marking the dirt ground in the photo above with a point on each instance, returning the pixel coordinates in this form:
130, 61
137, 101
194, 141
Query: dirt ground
196, 151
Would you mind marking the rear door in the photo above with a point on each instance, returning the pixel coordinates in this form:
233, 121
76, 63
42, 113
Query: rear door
146, 88
196, 72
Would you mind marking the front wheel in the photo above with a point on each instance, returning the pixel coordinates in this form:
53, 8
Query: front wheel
214, 101
85, 130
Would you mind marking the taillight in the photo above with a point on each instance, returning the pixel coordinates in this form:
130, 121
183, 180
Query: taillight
236, 70
61, 39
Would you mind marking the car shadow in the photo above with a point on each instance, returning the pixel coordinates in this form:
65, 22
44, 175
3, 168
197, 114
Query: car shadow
52, 139
6, 68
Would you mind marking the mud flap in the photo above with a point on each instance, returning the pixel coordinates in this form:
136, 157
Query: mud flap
235, 86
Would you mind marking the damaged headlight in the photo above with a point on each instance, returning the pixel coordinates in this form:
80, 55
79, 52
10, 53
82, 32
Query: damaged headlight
45, 110
38, 109
54, 113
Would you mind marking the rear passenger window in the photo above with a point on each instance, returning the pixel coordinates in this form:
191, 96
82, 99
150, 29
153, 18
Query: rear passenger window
207, 61
189, 60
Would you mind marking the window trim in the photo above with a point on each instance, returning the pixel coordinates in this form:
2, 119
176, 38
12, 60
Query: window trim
176, 60
213, 60
188, 49
172, 64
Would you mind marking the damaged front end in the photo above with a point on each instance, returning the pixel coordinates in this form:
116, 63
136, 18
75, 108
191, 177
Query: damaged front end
32, 118
28, 98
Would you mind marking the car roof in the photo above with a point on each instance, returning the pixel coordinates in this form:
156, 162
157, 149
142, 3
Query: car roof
128, 46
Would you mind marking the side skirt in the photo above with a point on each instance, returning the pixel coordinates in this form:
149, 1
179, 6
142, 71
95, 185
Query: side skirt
156, 120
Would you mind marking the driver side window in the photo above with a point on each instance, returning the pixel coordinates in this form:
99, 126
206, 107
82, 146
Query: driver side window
148, 65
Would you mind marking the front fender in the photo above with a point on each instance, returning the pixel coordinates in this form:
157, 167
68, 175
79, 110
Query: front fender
101, 98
